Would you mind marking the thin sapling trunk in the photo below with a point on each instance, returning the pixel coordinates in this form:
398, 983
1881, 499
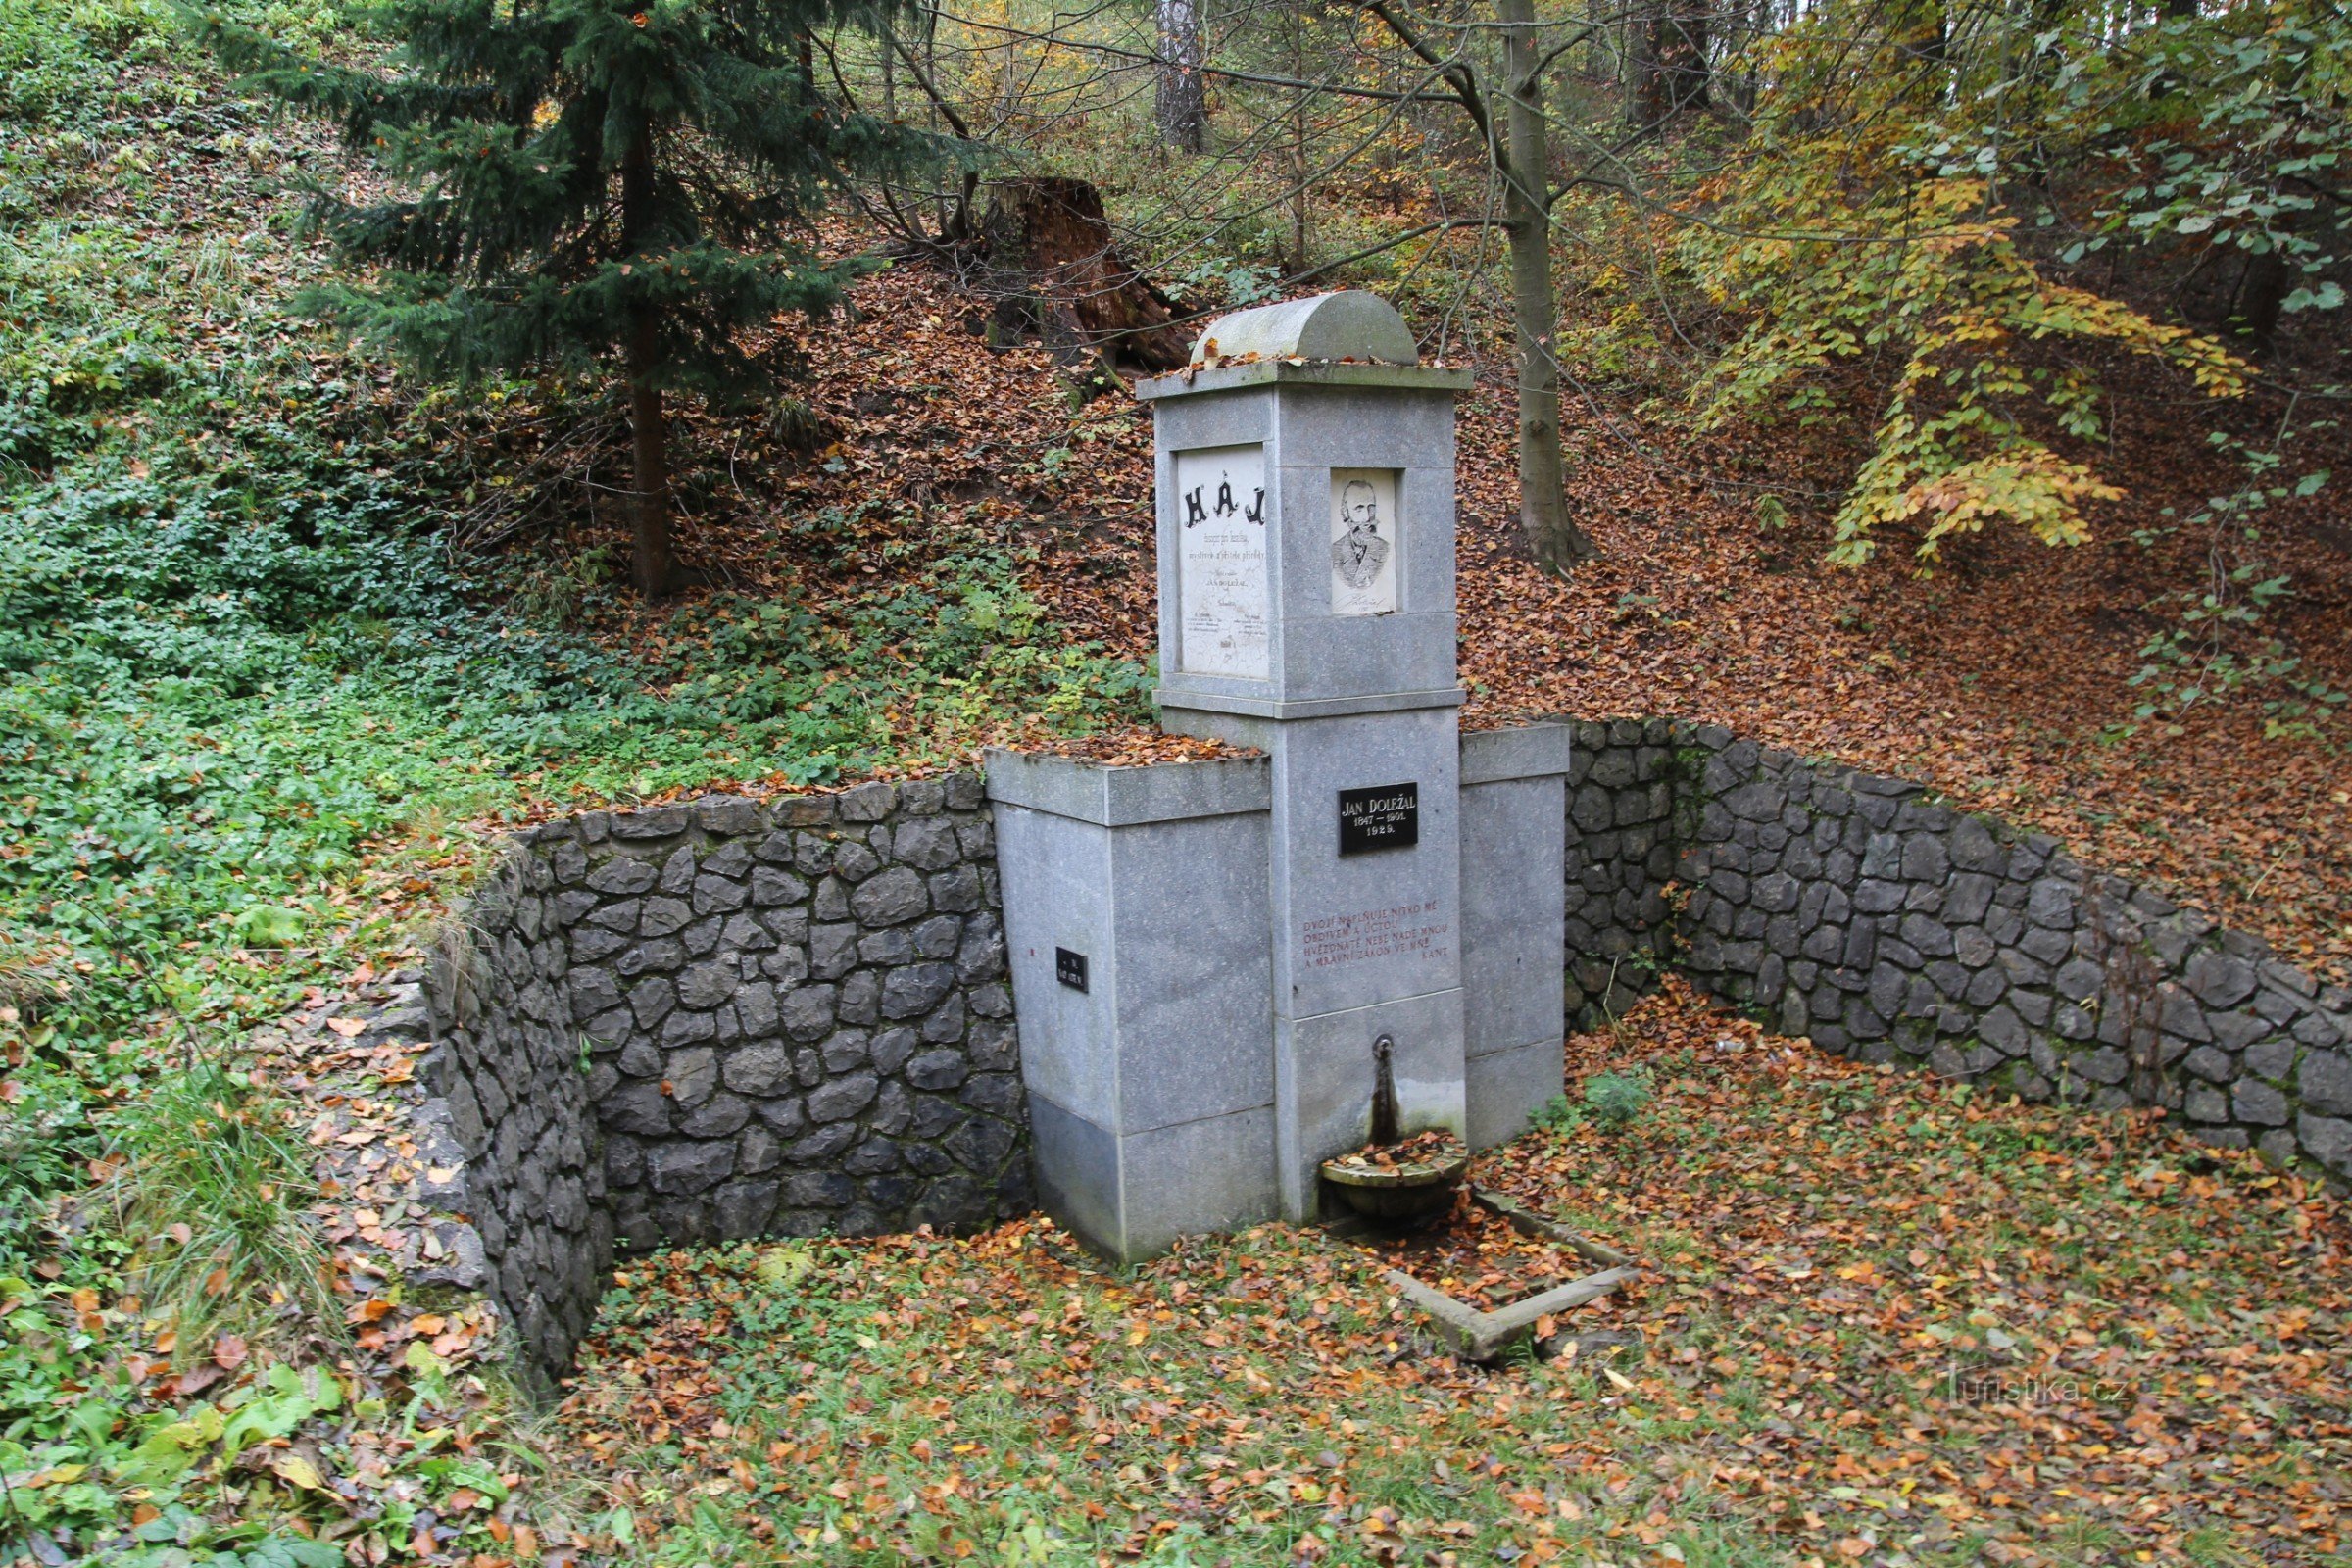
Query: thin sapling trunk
652, 567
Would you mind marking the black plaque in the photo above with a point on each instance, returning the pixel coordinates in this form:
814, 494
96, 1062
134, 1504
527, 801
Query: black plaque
1070, 968
1385, 816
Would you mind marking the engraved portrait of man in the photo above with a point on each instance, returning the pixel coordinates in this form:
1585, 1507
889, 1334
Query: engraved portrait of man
1358, 554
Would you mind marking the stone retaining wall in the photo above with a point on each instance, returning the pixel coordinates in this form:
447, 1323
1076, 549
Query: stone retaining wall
727, 1018
1619, 929
1885, 925
510, 1124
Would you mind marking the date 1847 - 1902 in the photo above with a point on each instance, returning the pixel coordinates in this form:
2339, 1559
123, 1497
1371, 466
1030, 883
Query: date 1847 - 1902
1384, 817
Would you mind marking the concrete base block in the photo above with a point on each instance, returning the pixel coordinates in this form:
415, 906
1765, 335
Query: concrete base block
1130, 1197
1136, 932
1077, 1173
1514, 838
1198, 1177
1505, 1087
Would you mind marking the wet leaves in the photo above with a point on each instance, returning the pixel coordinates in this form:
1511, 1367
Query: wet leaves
1883, 1312
1476, 1257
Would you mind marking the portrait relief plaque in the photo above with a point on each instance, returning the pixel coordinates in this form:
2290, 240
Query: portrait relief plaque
1221, 561
1364, 541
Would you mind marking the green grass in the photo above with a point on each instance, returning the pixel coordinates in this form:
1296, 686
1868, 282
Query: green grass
1012, 1401
210, 1190
237, 666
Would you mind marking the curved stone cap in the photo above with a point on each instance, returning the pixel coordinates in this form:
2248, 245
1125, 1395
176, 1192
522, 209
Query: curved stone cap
1349, 324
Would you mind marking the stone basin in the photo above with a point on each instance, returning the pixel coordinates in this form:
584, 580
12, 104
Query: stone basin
1400, 1194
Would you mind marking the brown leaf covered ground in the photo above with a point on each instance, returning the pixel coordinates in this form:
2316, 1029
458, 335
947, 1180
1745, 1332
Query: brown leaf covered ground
1998, 682
1881, 1321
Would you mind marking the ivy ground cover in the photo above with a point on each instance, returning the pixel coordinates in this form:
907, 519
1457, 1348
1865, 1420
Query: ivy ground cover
259, 719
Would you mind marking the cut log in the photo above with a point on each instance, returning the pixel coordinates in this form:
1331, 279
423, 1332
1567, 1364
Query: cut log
1054, 271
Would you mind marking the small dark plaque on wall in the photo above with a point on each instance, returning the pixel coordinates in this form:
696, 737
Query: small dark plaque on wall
1385, 816
1070, 968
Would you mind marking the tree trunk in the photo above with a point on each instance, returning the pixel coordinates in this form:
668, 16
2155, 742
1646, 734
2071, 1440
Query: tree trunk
1551, 534
936, 108
1182, 106
1638, 79
1666, 69
652, 567
1680, 50
1301, 197
2168, 81
2263, 296
1928, 44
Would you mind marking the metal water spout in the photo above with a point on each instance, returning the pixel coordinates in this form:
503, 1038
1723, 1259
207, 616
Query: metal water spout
1384, 1093
1394, 1188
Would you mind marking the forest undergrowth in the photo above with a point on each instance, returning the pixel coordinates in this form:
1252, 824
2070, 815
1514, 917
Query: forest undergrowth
2004, 680
258, 723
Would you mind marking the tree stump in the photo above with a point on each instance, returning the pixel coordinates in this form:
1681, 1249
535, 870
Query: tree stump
1056, 271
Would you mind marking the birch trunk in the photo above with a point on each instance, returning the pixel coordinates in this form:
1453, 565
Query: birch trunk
1182, 106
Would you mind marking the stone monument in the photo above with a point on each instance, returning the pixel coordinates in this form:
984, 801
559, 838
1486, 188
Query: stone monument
1205, 954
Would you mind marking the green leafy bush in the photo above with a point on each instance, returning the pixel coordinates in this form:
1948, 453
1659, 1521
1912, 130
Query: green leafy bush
1558, 1115
1617, 1098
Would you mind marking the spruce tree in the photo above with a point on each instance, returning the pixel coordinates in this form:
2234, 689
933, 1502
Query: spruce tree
588, 182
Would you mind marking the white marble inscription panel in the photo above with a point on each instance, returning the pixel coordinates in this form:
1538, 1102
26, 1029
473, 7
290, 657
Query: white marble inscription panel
1364, 541
1221, 560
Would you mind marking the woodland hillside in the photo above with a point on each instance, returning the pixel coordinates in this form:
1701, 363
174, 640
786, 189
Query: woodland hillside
419, 419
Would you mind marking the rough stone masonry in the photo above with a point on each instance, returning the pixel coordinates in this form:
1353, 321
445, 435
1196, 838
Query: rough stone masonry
1856, 911
727, 1018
